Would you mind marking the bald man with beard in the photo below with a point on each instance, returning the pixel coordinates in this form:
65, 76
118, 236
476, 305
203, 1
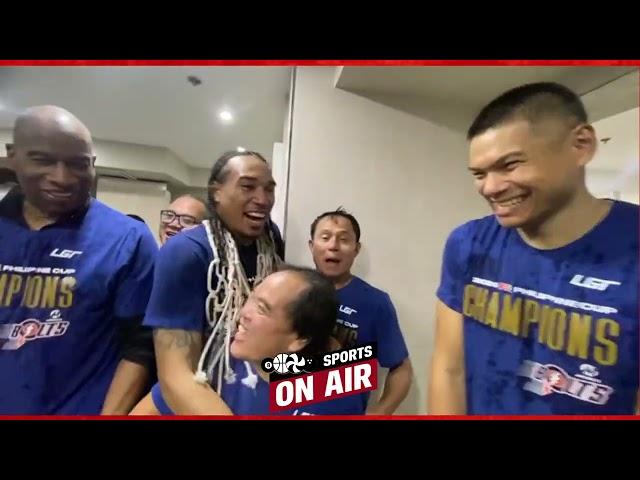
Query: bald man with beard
75, 278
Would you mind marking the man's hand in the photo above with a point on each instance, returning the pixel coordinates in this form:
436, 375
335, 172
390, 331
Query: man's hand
129, 384
447, 386
396, 388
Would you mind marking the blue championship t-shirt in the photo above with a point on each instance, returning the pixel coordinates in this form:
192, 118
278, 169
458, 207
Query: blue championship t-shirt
248, 394
547, 331
64, 292
366, 314
180, 287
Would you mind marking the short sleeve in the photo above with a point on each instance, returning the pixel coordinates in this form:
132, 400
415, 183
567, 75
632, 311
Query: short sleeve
454, 261
179, 293
159, 402
134, 286
392, 349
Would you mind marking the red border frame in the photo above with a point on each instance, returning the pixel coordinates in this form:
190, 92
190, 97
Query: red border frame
293, 63
324, 417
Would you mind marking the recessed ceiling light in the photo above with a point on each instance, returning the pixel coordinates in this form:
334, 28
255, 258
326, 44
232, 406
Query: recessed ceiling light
241, 149
225, 116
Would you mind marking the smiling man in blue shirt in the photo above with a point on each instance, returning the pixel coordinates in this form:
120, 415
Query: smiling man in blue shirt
537, 309
75, 277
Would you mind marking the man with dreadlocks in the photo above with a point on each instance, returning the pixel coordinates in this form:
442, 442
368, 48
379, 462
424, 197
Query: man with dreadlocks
204, 275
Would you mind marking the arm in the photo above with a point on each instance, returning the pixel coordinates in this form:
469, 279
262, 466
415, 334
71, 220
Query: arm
177, 315
447, 384
396, 388
177, 353
392, 354
145, 407
447, 394
132, 375
129, 384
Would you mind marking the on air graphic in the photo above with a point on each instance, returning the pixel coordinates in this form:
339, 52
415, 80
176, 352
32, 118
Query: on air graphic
296, 381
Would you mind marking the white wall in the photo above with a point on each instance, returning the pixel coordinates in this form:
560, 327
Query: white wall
280, 166
198, 177
144, 199
404, 179
279, 172
177, 191
616, 184
613, 172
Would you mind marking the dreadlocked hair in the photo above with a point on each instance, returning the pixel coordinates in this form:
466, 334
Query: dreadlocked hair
227, 284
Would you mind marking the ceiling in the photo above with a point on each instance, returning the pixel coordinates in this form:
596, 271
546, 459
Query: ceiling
158, 106
452, 96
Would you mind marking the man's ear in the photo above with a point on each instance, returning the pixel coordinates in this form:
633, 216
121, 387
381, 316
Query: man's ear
584, 143
358, 246
11, 153
214, 192
298, 344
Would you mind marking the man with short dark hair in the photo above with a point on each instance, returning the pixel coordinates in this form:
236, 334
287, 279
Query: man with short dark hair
75, 278
366, 314
537, 309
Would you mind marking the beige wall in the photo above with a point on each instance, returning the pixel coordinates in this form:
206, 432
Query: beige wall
404, 179
145, 199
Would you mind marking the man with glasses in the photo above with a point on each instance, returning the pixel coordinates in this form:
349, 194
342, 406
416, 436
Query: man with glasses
185, 211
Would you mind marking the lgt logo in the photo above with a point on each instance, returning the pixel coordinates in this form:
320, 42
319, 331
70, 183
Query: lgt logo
347, 310
592, 283
64, 253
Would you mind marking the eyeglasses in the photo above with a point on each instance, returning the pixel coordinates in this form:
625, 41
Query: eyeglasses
168, 216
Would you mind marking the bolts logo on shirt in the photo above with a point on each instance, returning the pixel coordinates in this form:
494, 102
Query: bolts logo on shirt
549, 379
15, 335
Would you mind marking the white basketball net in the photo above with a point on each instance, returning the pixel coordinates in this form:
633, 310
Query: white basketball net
228, 290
